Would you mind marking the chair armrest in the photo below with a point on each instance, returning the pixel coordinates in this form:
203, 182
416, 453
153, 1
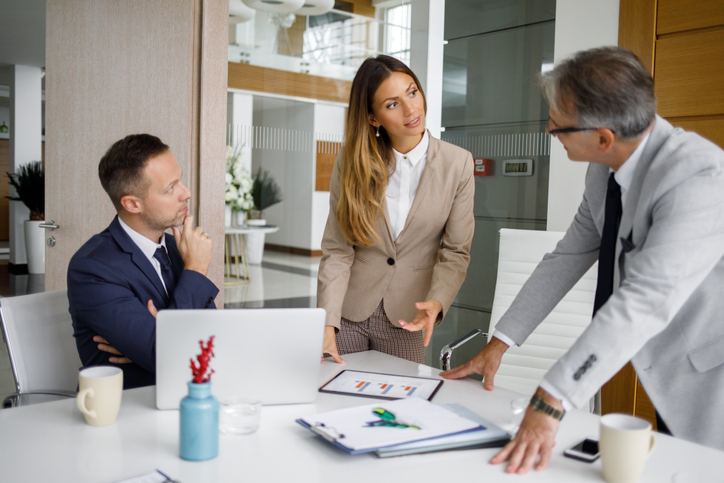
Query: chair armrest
446, 352
34, 397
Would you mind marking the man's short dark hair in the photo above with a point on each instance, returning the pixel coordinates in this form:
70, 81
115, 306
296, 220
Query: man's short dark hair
121, 168
607, 87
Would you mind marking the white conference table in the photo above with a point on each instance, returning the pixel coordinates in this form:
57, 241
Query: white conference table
51, 442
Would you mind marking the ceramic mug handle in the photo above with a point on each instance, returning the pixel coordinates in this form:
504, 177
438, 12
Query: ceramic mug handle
81, 402
653, 444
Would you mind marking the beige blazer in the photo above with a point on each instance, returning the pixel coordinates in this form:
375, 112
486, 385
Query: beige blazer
429, 259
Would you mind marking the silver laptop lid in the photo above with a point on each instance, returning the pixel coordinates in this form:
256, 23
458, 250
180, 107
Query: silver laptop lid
269, 354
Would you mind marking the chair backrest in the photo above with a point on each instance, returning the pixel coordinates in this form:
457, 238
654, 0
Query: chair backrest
522, 368
39, 334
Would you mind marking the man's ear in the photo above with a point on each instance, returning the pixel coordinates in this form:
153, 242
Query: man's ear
131, 204
605, 140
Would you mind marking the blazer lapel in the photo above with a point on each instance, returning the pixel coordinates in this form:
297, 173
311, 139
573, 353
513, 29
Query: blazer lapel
137, 256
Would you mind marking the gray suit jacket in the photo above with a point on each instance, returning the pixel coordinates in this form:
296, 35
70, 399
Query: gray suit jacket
428, 260
665, 314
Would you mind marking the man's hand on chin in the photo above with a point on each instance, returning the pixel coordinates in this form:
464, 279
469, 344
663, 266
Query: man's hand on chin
534, 441
194, 245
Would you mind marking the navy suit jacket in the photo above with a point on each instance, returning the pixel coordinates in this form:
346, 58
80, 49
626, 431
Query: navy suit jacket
110, 281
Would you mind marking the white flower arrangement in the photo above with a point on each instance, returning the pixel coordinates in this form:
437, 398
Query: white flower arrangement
238, 181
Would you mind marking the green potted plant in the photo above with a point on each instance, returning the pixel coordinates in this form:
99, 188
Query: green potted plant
266, 192
29, 184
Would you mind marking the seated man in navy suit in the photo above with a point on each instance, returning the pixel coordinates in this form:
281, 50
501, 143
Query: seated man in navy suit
122, 276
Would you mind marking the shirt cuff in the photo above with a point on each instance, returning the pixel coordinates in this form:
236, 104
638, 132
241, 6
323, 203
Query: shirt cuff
553, 391
504, 338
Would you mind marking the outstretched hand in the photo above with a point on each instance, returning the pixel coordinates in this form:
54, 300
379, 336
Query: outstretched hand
194, 245
486, 363
426, 317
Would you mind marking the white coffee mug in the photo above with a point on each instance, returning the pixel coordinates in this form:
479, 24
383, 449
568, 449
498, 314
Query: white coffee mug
99, 398
625, 442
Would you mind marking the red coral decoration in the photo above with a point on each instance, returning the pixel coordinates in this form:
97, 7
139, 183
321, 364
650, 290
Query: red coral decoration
199, 371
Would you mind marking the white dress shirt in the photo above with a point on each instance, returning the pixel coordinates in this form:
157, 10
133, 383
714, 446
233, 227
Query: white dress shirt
402, 185
623, 177
148, 248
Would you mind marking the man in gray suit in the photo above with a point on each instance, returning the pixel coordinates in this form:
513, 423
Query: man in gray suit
653, 214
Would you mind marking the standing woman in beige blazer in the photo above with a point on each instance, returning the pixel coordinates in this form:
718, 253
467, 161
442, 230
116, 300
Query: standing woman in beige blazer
397, 242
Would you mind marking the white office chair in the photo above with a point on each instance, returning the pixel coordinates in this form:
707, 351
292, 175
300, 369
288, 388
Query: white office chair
522, 368
43, 355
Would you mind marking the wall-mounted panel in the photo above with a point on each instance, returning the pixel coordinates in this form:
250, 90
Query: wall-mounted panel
681, 15
711, 127
689, 73
471, 17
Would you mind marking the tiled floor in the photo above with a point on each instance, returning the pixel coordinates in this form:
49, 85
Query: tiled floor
282, 280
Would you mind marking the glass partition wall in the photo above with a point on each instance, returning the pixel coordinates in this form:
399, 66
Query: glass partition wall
492, 106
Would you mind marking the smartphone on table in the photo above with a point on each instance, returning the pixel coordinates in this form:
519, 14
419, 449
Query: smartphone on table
585, 450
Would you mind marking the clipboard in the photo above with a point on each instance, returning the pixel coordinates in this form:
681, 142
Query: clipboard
349, 430
381, 386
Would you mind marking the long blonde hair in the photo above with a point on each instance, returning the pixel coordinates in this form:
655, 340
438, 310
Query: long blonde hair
367, 160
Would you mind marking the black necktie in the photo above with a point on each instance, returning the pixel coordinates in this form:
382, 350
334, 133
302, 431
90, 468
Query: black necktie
166, 271
607, 252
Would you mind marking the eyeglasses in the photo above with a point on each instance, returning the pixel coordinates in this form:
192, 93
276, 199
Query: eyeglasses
564, 130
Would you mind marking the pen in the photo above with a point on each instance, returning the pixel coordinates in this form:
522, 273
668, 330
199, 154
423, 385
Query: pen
387, 419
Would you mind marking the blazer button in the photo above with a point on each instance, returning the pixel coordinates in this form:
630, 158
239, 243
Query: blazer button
390, 261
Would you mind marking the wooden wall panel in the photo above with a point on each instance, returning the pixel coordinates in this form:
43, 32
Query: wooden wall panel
711, 127
690, 74
637, 29
326, 155
681, 15
263, 79
116, 68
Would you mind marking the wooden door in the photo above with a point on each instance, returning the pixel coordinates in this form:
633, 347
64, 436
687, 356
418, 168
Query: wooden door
117, 68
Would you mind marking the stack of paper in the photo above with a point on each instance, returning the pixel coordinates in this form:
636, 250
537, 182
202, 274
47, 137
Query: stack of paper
352, 429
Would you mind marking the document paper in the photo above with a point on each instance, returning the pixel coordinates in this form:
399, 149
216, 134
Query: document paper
385, 386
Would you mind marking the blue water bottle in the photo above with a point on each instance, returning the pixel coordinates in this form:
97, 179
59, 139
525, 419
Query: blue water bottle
199, 423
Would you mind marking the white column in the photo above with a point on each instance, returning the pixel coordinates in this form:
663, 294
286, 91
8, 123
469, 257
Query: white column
580, 25
426, 52
25, 143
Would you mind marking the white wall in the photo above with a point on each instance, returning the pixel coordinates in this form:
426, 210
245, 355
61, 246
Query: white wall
580, 25
328, 120
25, 144
426, 56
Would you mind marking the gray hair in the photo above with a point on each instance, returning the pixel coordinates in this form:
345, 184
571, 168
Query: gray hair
607, 87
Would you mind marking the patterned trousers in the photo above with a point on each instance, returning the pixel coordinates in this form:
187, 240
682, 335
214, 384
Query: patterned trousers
377, 333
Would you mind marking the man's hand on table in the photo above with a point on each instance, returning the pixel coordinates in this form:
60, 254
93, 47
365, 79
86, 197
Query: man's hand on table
535, 438
486, 363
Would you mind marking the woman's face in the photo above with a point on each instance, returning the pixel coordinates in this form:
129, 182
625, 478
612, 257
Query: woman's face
398, 106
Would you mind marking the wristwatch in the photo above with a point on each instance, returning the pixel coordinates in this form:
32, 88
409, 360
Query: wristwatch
539, 404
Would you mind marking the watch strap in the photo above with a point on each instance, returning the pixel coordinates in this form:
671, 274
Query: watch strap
539, 404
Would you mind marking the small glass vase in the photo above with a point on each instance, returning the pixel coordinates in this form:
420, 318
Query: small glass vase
199, 423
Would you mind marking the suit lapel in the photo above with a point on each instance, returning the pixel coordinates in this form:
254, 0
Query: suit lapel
137, 256
658, 136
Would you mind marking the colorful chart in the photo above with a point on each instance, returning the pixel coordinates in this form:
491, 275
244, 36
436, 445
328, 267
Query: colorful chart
382, 385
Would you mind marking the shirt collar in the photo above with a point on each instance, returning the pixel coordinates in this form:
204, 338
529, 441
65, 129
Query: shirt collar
147, 246
624, 174
416, 154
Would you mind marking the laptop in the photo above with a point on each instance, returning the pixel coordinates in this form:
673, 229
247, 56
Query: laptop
269, 354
